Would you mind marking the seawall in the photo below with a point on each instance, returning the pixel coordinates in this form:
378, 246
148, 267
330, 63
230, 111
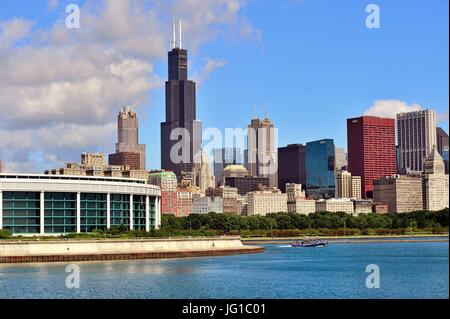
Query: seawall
112, 249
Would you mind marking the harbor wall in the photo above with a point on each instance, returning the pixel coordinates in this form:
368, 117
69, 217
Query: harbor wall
84, 250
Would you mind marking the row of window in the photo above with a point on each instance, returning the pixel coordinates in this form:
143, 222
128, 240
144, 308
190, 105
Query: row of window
21, 212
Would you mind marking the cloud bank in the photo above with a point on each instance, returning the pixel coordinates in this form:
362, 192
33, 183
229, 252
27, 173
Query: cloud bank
390, 108
61, 88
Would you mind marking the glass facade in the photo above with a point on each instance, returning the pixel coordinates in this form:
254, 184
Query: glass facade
60, 212
152, 208
93, 212
139, 212
320, 168
21, 211
120, 210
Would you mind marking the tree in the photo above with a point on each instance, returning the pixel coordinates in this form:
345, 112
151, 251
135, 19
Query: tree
193, 221
360, 222
283, 221
300, 221
171, 222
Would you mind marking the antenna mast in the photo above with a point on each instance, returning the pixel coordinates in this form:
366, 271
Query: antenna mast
180, 40
174, 37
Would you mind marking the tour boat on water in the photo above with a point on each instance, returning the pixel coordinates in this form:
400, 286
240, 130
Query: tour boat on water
309, 243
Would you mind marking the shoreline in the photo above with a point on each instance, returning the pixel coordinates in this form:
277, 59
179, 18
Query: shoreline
96, 250
355, 239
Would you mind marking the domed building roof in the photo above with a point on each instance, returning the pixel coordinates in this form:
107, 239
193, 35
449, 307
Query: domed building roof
235, 168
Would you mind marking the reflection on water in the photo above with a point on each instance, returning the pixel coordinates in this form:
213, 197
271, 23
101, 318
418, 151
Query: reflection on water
408, 270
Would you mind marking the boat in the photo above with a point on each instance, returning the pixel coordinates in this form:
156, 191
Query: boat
309, 243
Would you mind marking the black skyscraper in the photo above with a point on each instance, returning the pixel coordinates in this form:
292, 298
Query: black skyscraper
180, 114
291, 165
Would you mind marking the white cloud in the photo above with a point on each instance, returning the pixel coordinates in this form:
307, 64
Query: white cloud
14, 30
390, 108
210, 65
56, 144
61, 88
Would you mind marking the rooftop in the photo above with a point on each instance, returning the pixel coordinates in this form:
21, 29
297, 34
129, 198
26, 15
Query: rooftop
72, 178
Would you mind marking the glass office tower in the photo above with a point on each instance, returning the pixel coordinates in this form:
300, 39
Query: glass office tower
320, 169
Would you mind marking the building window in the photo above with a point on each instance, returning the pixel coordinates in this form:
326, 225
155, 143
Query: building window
120, 210
93, 212
21, 212
60, 212
139, 212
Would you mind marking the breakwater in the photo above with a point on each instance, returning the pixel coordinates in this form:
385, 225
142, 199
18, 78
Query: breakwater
112, 249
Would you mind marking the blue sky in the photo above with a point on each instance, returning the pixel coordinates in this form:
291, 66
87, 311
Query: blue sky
319, 65
315, 65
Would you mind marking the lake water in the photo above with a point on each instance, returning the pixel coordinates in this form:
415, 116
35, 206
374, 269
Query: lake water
407, 270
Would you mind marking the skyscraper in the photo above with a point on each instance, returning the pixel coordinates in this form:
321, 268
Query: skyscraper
442, 146
291, 165
181, 132
348, 186
202, 173
416, 132
341, 159
401, 193
435, 182
128, 150
224, 157
371, 149
320, 168
262, 152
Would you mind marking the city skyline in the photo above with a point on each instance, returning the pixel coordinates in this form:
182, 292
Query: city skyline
204, 150
210, 55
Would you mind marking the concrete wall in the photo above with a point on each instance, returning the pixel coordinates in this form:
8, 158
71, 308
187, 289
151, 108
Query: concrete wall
82, 247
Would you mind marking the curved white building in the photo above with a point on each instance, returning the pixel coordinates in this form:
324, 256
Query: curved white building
59, 204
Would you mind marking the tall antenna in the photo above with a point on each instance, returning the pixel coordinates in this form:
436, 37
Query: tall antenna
174, 36
254, 112
180, 40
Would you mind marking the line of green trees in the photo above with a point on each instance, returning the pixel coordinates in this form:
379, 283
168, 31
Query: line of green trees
281, 225
438, 220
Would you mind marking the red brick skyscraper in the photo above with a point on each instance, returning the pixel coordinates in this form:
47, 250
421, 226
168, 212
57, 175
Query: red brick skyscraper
371, 149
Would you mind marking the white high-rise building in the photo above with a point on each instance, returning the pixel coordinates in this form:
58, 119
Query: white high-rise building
334, 205
202, 173
435, 182
348, 186
416, 133
297, 202
262, 153
340, 159
266, 201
